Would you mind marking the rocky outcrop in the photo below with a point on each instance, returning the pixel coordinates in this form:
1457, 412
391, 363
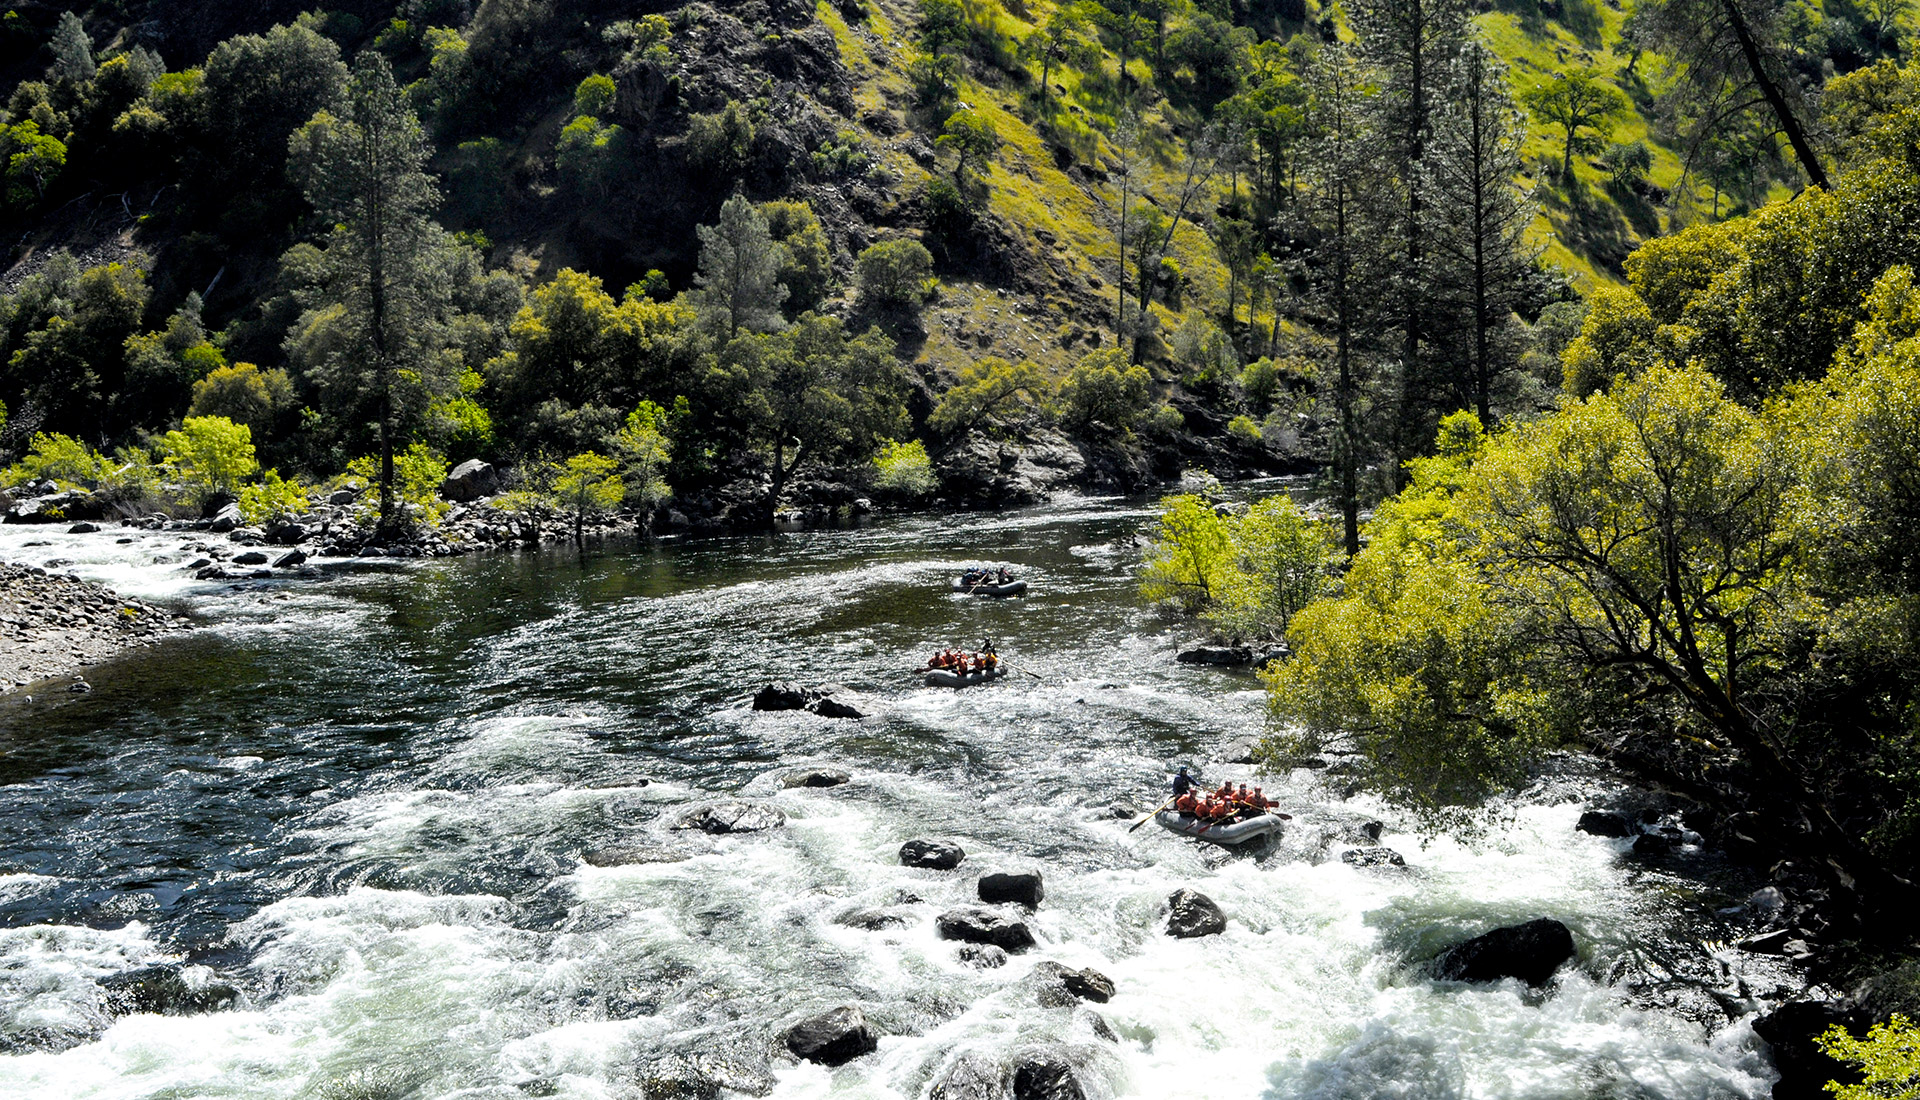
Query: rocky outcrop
733, 817
57, 507
1001, 474
828, 700
1804, 1068
816, 777
470, 481
1230, 655
1192, 913
982, 956
933, 854
834, 1037
167, 991
975, 925
1530, 952
1021, 887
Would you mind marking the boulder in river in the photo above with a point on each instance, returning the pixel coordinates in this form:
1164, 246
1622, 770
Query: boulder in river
1604, 823
1023, 887
251, 557
83, 529
1194, 914
933, 854
1530, 952
733, 817
701, 1076
975, 925
1804, 1068
972, 1076
1046, 1075
834, 1037
1373, 857
871, 920
815, 777
166, 991
1086, 984
982, 956
1216, 655
828, 701
290, 559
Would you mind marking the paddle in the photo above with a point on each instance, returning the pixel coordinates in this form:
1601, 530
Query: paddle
1153, 811
1017, 668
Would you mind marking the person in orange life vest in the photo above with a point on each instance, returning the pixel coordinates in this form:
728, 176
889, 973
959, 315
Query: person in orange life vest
1243, 796
1260, 801
1225, 793
1186, 804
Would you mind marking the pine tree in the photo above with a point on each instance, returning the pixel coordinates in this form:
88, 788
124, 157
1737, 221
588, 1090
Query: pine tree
383, 293
1479, 264
739, 276
72, 51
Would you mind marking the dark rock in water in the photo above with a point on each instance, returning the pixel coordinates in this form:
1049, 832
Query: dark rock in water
225, 519
165, 991
1653, 844
1372, 830
872, 920
1601, 823
1101, 1029
1045, 1076
83, 529
834, 1037
1530, 952
733, 817
983, 956
782, 695
251, 557
815, 777
836, 706
984, 926
470, 481
931, 853
1023, 887
1373, 857
79, 687
1086, 984
701, 1076
290, 559
972, 1076
1804, 1070
1216, 655
622, 856
1194, 914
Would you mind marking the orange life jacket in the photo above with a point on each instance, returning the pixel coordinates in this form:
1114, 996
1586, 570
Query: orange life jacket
1186, 803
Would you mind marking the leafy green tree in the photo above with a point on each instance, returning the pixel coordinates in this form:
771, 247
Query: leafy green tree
58, 458
418, 472
244, 394
904, 468
645, 451
588, 152
594, 96
257, 90
589, 483
1888, 1058
1104, 391
809, 393
989, 393
1282, 561
973, 140
1575, 101
72, 51
720, 144
34, 160
739, 276
209, 455
382, 296
807, 270
272, 497
1190, 555
1061, 40
896, 273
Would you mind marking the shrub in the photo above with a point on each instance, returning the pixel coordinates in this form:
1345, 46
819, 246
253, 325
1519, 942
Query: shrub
644, 452
63, 459
594, 96
1244, 429
904, 468
242, 393
272, 496
1162, 419
895, 273
1889, 1059
209, 454
589, 482
417, 475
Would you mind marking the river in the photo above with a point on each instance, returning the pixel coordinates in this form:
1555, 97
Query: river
365, 801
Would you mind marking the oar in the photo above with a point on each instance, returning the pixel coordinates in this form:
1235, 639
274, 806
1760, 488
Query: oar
1153, 811
1017, 668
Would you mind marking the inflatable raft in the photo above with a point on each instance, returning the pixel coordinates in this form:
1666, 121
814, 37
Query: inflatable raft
1011, 588
942, 678
1233, 832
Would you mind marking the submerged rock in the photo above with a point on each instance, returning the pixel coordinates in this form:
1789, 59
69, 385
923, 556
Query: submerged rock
1216, 655
975, 925
932, 854
1194, 914
1373, 857
701, 1076
827, 701
1602, 823
816, 777
167, 991
1023, 887
982, 956
972, 1076
834, 1037
1530, 952
872, 920
733, 817
1086, 984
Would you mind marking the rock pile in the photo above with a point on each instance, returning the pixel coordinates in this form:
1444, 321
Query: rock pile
52, 624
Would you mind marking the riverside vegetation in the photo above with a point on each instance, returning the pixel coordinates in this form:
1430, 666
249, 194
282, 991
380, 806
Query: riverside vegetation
279, 258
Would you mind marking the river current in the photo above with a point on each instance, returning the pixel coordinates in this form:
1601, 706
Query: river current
366, 800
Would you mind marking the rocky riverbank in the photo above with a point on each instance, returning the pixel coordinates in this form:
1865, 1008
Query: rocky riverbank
53, 625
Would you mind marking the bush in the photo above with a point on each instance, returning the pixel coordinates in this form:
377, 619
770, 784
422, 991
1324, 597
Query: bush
417, 475
209, 455
895, 273
904, 468
1244, 429
594, 96
64, 460
1162, 420
1889, 1059
272, 496
644, 453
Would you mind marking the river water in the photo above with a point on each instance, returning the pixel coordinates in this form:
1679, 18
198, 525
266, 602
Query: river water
365, 801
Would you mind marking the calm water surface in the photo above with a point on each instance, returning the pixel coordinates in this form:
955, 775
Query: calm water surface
366, 801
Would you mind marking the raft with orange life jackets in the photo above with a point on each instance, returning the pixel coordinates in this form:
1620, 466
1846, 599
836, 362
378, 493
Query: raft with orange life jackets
1223, 816
952, 668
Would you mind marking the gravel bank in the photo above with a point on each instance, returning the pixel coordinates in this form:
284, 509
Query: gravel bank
54, 625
